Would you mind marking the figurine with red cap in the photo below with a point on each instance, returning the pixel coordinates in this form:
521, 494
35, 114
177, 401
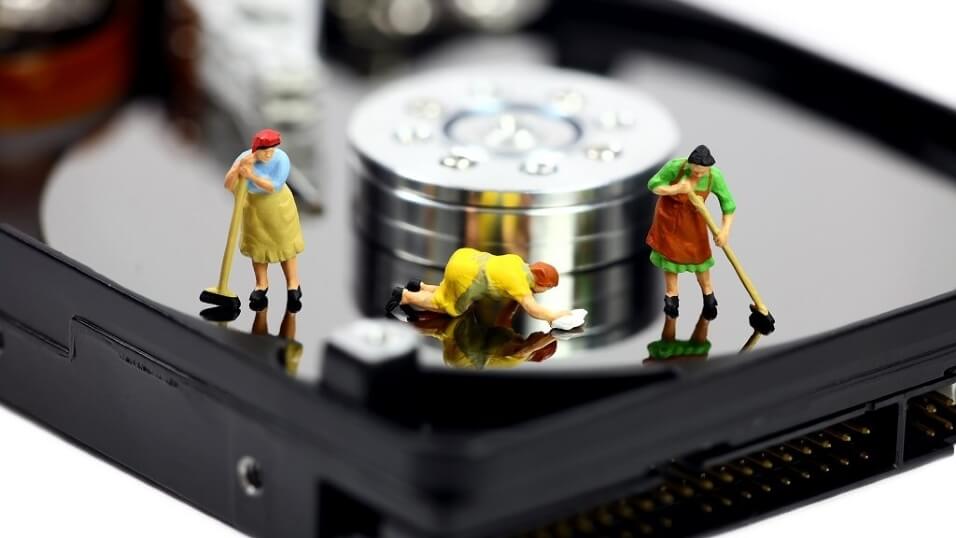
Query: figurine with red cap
271, 232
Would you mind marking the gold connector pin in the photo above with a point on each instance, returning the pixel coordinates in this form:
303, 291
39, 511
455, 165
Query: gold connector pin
681, 489
701, 480
856, 428
942, 400
839, 436
604, 516
804, 474
743, 469
803, 449
664, 496
822, 443
721, 474
780, 455
926, 430
765, 463
584, 524
942, 422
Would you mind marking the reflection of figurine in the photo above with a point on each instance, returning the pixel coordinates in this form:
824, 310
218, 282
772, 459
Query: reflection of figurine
471, 276
292, 354
678, 236
697, 347
270, 220
669, 348
467, 342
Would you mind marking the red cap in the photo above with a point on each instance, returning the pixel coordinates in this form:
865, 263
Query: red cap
266, 138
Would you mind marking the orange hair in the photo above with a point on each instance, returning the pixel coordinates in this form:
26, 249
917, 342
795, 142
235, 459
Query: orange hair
544, 274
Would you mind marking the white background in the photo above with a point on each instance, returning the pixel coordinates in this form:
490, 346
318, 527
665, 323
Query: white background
49, 488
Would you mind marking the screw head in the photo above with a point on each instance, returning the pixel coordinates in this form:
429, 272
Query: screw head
411, 134
250, 476
426, 108
568, 101
541, 163
616, 120
375, 340
457, 162
604, 151
464, 157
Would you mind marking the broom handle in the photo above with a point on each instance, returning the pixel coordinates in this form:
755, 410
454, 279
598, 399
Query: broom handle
751, 342
744, 279
242, 189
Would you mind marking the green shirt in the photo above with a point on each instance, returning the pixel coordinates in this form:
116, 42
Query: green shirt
715, 180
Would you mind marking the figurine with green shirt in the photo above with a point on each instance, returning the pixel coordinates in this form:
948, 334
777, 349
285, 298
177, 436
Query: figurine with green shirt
678, 236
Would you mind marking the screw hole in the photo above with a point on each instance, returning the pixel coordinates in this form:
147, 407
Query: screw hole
250, 476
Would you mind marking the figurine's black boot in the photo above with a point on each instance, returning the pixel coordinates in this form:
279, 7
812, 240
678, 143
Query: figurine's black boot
710, 307
258, 300
395, 300
414, 285
220, 314
294, 300
671, 306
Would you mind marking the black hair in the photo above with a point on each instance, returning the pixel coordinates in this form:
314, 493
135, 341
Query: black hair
701, 156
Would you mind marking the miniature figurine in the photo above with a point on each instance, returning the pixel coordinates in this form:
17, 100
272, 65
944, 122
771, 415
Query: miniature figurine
678, 235
271, 232
269, 219
471, 276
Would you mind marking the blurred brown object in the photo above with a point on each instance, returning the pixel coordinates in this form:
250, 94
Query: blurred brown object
56, 86
21, 190
184, 99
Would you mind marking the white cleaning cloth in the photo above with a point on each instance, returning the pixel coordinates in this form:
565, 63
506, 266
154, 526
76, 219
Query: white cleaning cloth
572, 320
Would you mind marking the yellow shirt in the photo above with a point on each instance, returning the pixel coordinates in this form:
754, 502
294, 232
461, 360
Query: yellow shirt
471, 275
508, 277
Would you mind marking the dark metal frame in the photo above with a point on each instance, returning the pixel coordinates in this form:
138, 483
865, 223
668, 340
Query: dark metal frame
394, 450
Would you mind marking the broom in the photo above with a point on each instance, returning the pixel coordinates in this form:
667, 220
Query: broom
760, 317
221, 295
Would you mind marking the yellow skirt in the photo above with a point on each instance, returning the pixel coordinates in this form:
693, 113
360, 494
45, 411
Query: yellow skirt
271, 232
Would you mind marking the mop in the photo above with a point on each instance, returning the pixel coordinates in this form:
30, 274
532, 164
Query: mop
760, 317
221, 295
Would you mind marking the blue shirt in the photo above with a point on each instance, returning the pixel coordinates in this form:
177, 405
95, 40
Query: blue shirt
276, 170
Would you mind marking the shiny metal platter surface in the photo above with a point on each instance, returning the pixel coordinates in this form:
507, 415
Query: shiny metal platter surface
549, 164
832, 227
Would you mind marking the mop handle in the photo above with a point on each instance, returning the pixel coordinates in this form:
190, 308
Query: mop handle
242, 188
751, 342
744, 279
